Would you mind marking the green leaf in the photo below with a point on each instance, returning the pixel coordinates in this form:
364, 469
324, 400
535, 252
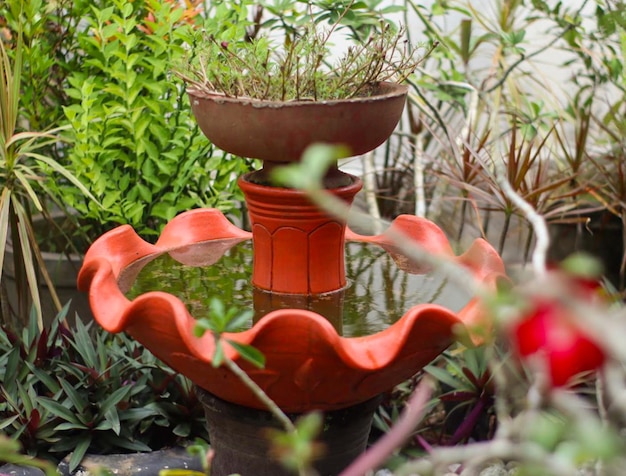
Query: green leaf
84, 345
79, 452
116, 397
10, 373
202, 326
466, 34
44, 377
239, 321
25, 236
183, 429
80, 404
443, 376
309, 425
144, 192
308, 174
112, 418
25, 399
59, 410
7, 422
5, 204
127, 10
137, 414
249, 353
109, 30
70, 426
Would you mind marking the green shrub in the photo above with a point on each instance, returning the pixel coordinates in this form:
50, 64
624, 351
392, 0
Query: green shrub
135, 141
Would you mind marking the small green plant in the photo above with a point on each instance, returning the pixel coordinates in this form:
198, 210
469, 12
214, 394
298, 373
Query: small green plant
297, 449
50, 51
221, 320
467, 394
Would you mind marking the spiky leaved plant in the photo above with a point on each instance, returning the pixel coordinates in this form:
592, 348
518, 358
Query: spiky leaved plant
25, 175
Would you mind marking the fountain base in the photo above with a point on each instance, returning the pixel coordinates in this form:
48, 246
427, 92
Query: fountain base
238, 436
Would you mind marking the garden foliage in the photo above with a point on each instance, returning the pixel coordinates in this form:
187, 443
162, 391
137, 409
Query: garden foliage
77, 390
134, 138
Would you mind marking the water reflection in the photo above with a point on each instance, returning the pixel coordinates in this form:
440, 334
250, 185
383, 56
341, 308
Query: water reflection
377, 295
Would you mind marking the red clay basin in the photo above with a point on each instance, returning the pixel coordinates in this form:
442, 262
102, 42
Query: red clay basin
308, 365
281, 131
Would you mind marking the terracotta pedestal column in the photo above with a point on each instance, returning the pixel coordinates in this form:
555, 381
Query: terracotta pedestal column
298, 248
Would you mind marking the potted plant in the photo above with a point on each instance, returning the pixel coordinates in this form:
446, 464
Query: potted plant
594, 154
73, 391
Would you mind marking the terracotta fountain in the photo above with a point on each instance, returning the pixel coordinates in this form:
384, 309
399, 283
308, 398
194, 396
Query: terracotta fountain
299, 258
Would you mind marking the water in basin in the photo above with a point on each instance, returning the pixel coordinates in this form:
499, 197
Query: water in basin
377, 295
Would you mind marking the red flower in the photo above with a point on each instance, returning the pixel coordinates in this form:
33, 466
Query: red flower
548, 330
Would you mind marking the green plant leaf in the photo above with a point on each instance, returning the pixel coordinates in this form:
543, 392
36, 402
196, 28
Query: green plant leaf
78, 401
10, 372
70, 426
183, 429
83, 344
443, 376
249, 353
138, 414
26, 238
308, 173
116, 397
239, 321
5, 204
112, 418
7, 422
25, 398
79, 452
121, 442
59, 410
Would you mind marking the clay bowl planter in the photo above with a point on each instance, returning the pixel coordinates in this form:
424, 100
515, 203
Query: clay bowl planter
281, 131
